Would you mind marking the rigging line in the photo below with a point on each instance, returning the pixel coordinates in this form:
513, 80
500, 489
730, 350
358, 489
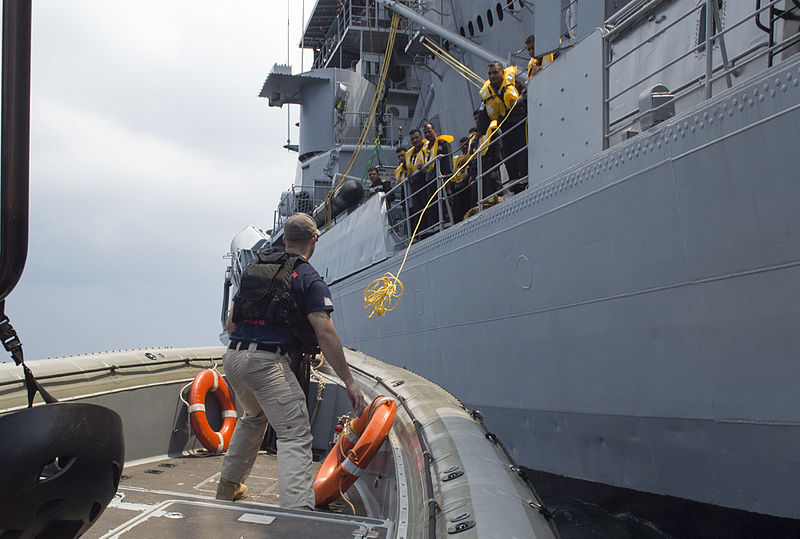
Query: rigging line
446, 54
288, 107
453, 60
442, 52
456, 68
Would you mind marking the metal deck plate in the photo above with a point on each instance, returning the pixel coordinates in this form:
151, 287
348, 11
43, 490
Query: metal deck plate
175, 498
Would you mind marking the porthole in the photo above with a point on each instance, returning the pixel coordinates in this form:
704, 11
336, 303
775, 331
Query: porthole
489, 17
462, 32
480, 24
499, 9
471, 29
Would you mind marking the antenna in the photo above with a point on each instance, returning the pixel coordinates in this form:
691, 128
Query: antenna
288, 106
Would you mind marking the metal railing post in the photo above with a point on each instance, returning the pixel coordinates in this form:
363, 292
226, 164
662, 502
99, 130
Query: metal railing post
709, 53
407, 203
605, 109
438, 171
480, 181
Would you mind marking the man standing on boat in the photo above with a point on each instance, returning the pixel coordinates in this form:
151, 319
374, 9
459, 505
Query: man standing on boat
257, 364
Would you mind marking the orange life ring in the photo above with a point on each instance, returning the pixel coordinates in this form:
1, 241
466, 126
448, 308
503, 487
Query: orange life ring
354, 449
205, 381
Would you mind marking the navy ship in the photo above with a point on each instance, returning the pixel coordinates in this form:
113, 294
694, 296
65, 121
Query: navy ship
627, 313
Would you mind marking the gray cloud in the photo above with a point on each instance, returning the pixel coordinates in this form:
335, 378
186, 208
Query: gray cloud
149, 150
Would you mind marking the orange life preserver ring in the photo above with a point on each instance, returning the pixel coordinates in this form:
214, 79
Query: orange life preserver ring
205, 381
354, 449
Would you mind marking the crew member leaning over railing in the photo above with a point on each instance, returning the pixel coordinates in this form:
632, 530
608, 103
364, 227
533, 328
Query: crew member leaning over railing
498, 97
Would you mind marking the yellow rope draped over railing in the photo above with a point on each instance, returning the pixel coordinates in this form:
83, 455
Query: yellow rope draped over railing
384, 294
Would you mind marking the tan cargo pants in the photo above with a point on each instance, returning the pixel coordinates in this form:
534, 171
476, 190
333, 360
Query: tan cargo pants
267, 391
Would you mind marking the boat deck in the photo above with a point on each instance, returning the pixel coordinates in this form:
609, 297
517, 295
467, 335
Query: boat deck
174, 497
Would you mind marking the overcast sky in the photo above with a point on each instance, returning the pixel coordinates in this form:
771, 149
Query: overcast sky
150, 149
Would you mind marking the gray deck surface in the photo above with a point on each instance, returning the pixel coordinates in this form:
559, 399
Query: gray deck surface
175, 498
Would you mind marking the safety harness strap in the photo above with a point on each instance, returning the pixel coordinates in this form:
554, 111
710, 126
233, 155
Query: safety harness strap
13, 345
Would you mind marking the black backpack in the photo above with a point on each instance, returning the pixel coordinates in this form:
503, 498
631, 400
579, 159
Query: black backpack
265, 296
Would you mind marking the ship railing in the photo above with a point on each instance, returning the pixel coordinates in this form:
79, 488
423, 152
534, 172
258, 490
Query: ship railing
297, 199
509, 185
354, 14
406, 206
713, 36
391, 131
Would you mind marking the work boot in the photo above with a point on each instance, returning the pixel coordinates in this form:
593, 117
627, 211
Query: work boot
228, 490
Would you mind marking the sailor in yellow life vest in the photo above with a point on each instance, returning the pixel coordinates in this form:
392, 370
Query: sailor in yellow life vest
415, 155
400, 173
536, 63
435, 146
415, 159
499, 98
459, 186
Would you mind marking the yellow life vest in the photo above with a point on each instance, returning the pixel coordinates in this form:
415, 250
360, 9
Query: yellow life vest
400, 173
488, 136
498, 102
415, 158
431, 150
533, 65
459, 160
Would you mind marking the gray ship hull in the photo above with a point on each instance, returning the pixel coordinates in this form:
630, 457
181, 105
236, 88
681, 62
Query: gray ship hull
632, 320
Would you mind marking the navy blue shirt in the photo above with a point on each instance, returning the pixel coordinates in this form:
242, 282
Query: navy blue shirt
311, 294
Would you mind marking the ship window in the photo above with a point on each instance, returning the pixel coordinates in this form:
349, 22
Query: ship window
471, 29
462, 32
480, 24
510, 5
499, 10
489, 17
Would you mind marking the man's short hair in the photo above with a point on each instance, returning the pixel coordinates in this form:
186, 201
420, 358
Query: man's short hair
430, 124
476, 111
370, 169
462, 140
299, 227
473, 130
496, 63
401, 149
414, 131
530, 39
